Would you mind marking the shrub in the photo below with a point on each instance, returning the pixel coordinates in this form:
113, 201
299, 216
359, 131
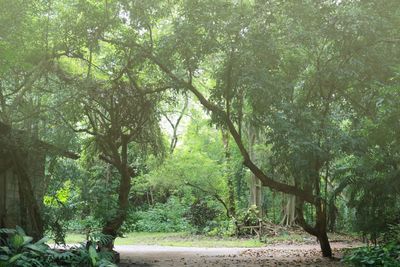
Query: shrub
251, 217
87, 225
201, 216
392, 234
17, 249
386, 255
166, 217
225, 228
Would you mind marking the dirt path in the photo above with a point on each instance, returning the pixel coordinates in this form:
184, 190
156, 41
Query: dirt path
272, 255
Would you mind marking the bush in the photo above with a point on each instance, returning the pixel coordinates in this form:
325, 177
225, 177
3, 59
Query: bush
201, 216
87, 225
251, 217
386, 255
392, 235
225, 229
166, 217
17, 249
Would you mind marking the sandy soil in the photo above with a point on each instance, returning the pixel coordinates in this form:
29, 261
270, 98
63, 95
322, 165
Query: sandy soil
272, 255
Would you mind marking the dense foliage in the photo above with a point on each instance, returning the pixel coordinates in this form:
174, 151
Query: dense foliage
184, 114
17, 249
387, 255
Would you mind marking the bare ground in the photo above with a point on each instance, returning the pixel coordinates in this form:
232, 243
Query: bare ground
271, 255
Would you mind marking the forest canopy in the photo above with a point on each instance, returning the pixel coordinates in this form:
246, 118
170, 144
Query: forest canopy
187, 115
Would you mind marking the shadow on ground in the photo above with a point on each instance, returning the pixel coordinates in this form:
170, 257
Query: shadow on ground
273, 255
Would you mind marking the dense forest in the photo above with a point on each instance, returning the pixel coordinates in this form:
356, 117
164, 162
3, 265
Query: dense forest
199, 116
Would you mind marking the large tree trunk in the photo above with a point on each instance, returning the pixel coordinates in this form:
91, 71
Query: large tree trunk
319, 230
256, 193
255, 183
289, 211
29, 206
324, 244
113, 225
321, 227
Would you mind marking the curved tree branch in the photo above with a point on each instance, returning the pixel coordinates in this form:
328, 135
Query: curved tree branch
266, 180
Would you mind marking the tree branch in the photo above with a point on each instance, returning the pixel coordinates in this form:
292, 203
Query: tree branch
266, 180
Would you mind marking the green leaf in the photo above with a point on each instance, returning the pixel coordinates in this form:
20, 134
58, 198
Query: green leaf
7, 231
371, 262
27, 240
6, 250
36, 248
93, 255
17, 241
42, 241
20, 231
4, 258
15, 258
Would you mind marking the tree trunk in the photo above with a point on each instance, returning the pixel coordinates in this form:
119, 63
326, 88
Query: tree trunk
113, 225
319, 230
332, 216
228, 173
324, 244
255, 183
289, 211
232, 204
33, 222
321, 227
256, 193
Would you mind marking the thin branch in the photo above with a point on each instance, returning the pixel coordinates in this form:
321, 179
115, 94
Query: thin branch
215, 195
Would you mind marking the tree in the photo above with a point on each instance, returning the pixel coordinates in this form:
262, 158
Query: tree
297, 74
114, 103
198, 167
318, 78
123, 121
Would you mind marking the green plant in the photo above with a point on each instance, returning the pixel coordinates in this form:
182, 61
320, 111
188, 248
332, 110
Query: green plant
387, 255
392, 234
251, 217
166, 217
90, 253
87, 225
201, 215
225, 228
18, 249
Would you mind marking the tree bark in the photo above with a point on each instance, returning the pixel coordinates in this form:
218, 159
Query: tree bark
324, 244
319, 230
228, 173
113, 225
289, 211
29, 204
255, 183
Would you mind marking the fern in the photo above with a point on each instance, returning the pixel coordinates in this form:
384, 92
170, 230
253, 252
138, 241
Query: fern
19, 250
